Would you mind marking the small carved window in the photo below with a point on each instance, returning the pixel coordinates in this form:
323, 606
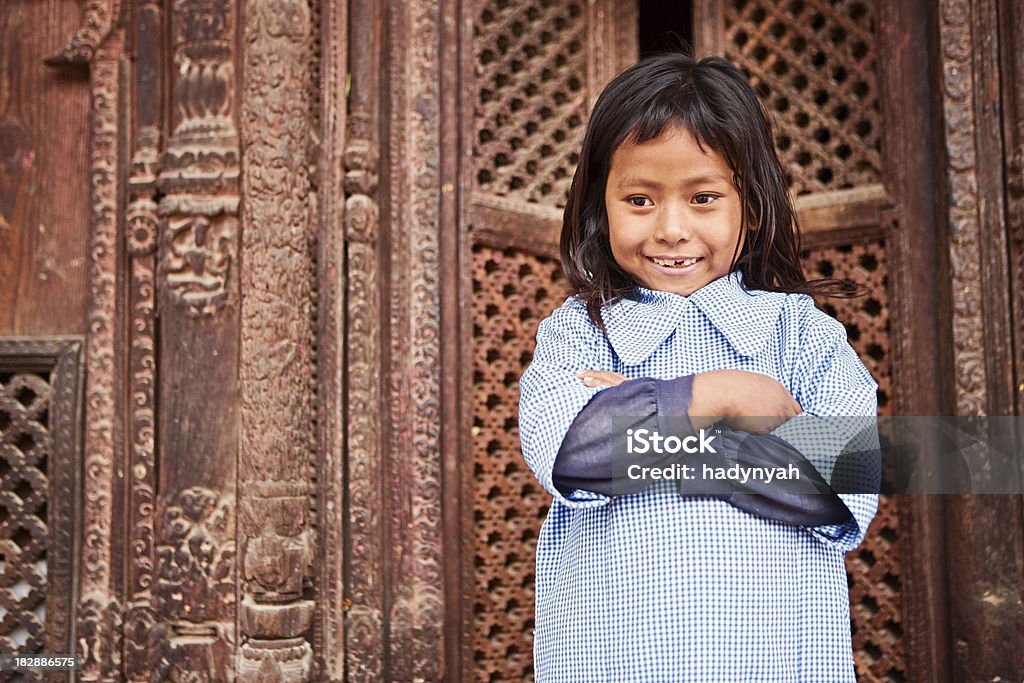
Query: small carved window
39, 458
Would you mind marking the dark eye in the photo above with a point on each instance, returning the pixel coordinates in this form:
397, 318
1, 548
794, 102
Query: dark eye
638, 202
704, 198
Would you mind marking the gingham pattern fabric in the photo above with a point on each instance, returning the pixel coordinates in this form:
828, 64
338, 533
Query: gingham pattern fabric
659, 587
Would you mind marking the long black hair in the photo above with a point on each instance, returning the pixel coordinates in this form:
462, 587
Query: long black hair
711, 99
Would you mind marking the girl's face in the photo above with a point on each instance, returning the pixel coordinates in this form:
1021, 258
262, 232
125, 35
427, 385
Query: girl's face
673, 212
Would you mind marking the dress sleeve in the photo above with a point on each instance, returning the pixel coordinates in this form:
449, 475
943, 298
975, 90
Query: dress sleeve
590, 457
838, 423
551, 396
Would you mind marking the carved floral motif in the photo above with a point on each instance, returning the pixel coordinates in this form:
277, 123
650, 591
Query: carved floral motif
964, 228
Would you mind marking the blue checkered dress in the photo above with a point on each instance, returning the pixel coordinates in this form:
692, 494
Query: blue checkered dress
659, 587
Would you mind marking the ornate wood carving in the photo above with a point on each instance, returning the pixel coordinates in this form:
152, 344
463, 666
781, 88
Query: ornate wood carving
364, 637
278, 356
98, 614
200, 168
142, 225
416, 611
99, 609
193, 585
99, 636
193, 593
965, 256
99, 19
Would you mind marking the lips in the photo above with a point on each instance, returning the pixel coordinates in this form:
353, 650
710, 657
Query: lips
674, 262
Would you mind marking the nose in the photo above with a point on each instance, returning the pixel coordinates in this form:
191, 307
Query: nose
673, 225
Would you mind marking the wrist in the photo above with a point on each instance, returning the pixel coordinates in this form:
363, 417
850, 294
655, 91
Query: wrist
710, 401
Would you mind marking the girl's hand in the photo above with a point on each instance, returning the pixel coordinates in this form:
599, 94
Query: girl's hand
748, 401
601, 378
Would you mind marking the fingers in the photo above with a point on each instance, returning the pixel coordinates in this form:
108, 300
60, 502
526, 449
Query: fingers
600, 378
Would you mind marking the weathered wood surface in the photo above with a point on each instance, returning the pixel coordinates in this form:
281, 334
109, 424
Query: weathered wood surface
44, 193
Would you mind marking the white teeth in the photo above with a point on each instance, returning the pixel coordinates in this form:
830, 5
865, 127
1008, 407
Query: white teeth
672, 263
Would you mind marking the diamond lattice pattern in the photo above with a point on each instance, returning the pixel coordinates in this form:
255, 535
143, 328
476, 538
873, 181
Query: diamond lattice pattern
813, 63
530, 97
24, 448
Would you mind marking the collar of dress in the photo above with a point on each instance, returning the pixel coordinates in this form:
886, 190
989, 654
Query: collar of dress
640, 323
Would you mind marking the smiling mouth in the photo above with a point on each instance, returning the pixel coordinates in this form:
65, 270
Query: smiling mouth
674, 263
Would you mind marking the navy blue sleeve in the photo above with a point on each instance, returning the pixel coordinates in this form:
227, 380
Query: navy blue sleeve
587, 457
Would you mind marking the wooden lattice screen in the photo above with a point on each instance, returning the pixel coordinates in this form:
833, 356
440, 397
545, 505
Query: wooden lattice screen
814, 65
873, 569
40, 411
512, 291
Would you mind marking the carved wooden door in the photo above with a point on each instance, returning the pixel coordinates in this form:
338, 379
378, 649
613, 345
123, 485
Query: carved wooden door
816, 66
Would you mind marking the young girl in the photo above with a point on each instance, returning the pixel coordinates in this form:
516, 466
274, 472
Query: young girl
680, 241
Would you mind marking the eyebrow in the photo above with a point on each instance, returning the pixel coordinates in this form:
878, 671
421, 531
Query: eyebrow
635, 181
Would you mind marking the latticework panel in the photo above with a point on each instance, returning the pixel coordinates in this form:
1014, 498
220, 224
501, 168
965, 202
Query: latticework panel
866, 318
531, 97
512, 292
813, 62
876, 603
24, 488
873, 570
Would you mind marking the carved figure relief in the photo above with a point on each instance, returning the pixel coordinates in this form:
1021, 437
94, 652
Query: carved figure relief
197, 259
200, 168
197, 556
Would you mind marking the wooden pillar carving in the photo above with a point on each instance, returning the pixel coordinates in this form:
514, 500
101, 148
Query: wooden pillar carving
193, 588
277, 373
412, 437
983, 534
976, 230
365, 619
395, 626
142, 226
